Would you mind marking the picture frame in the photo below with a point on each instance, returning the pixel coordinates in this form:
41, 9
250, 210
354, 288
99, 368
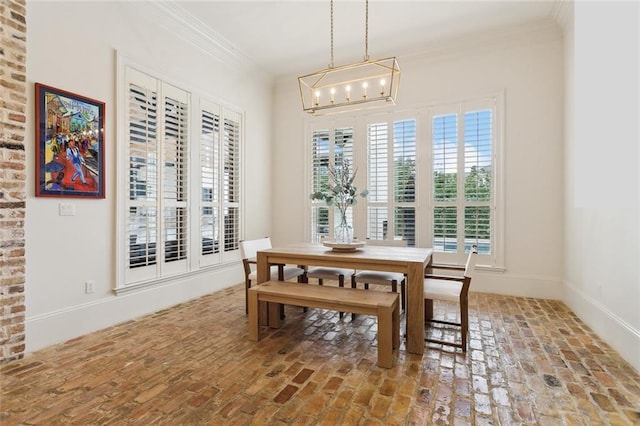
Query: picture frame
69, 144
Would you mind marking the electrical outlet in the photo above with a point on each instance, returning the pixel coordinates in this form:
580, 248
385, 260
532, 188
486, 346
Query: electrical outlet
89, 286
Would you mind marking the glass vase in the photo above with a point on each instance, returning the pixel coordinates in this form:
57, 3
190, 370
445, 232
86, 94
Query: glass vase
343, 232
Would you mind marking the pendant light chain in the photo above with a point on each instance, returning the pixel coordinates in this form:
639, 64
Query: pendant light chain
331, 63
366, 31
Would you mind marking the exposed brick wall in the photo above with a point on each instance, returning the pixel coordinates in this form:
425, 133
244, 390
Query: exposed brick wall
13, 105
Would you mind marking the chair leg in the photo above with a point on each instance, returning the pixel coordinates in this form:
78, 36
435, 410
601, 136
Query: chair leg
320, 281
428, 309
247, 286
341, 284
464, 316
403, 294
353, 285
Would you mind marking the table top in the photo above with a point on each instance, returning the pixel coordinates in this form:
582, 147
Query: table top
367, 254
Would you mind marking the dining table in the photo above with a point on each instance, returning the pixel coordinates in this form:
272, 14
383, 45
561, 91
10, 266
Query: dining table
411, 261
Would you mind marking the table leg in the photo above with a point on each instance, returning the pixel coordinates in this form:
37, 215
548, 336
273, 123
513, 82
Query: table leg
264, 273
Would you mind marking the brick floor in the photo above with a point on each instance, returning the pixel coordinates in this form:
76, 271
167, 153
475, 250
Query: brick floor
530, 361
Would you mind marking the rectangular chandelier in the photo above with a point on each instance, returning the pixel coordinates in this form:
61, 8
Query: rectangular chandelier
352, 87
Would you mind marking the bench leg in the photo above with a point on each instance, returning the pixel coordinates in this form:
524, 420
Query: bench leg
274, 314
263, 313
385, 336
252, 305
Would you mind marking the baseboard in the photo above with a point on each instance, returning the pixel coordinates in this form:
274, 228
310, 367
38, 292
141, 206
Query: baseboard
612, 329
540, 287
59, 326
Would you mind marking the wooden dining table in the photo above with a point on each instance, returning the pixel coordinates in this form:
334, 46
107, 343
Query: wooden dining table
411, 261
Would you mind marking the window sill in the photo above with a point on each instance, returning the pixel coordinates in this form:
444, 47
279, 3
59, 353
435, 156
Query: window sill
158, 282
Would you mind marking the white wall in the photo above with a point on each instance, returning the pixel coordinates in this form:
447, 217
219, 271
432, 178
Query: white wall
74, 46
602, 216
526, 63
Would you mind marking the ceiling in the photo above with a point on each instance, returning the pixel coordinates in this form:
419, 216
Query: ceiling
293, 36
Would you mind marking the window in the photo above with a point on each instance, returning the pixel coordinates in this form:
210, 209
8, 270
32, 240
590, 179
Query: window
391, 211
180, 213
463, 143
328, 147
433, 177
220, 183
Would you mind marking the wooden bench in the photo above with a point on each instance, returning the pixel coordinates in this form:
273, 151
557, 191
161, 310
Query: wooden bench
383, 305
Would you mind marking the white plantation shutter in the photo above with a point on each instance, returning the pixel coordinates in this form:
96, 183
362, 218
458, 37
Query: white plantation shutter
220, 137
439, 188
329, 146
209, 181
231, 181
391, 180
378, 180
478, 167
343, 150
141, 219
343, 145
445, 182
463, 172
181, 210
156, 221
174, 171
404, 179
320, 151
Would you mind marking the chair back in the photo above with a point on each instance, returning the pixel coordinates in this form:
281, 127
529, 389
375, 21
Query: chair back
389, 243
250, 248
471, 262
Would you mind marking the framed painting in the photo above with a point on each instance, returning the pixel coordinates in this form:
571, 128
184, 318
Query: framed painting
69, 144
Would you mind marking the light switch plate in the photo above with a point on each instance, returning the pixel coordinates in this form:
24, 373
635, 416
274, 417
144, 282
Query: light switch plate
67, 209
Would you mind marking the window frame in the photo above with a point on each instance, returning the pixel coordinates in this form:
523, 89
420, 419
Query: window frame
495, 102
424, 157
195, 261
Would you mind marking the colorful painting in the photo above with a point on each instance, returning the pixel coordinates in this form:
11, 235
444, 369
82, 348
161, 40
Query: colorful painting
69, 144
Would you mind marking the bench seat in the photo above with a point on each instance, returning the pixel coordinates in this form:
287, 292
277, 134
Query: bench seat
383, 305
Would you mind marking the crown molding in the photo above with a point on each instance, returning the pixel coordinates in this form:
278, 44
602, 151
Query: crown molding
543, 30
182, 24
562, 13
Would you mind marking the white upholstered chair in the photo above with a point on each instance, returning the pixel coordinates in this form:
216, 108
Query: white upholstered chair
248, 252
322, 273
452, 289
392, 279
